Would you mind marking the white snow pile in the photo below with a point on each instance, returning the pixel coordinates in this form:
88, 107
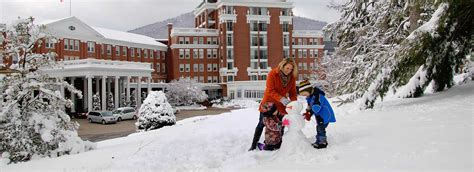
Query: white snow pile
236, 103
431, 133
155, 112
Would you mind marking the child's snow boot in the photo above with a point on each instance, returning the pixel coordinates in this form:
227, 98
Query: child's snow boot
320, 145
260, 146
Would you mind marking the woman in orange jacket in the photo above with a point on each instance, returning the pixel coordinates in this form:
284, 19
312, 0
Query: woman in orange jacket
280, 90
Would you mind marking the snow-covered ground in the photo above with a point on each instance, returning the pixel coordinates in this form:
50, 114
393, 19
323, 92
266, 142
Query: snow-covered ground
244, 103
192, 107
432, 133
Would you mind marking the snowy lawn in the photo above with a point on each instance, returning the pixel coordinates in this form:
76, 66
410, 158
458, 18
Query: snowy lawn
432, 133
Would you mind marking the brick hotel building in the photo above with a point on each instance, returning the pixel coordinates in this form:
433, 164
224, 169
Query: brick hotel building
233, 46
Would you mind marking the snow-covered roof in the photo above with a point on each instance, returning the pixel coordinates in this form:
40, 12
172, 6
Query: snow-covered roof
127, 36
82, 31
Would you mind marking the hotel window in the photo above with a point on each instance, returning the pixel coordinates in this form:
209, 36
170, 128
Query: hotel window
208, 40
71, 44
201, 67
230, 54
158, 55
139, 52
209, 67
152, 53
158, 67
311, 66
254, 39
310, 41
195, 54
305, 66
209, 53
181, 67
262, 26
228, 10
76, 45
145, 53
201, 40
181, 40
230, 65
293, 53
214, 53
49, 44
109, 49
253, 26
124, 51
181, 53
214, 40
195, 40
201, 53
263, 54
264, 77
254, 54
163, 68
305, 51
230, 78
292, 41
187, 53
254, 65
132, 52
229, 26
90, 47
305, 41
215, 79
285, 11
254, 78
286, 40
117, 50
299, 41
262, 40
263, 65
315, 53
230, 40
201, 78
195, 67
214, 67
286, 53
209, 79
66, 44
300, 66
300, 53
186, 40
187, 67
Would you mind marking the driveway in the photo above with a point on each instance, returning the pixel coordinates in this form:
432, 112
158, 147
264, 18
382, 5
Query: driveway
97, 132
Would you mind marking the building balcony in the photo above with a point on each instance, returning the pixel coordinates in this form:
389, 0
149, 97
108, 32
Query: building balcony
286, 19
258, 18
194, 32
228, 72
227, 17
193, 46
258, 71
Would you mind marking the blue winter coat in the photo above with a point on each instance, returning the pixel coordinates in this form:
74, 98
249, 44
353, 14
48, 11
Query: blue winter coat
321, 106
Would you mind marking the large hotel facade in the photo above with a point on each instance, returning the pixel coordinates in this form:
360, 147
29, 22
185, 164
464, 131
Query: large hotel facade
231, 49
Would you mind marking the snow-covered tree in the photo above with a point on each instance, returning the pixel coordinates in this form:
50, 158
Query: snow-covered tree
123, 100
384, 45
96, 102
110, 102
155, 112
33, 122
185, 91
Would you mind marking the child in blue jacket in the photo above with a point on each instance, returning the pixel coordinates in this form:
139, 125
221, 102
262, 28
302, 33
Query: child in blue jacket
318, 106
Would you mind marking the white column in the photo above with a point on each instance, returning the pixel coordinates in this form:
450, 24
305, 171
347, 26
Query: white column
139, 91
104, 103
97, 86
148, 85
73, 97
89, 93
127, 90
109, 90
116, 92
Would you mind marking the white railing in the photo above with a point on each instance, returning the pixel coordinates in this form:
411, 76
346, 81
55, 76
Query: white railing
194, 31
307, 33
264, 18
104, 64
288, 19
227, 17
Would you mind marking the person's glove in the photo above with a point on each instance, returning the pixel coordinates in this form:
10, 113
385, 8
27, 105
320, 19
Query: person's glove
307, 116
284, 101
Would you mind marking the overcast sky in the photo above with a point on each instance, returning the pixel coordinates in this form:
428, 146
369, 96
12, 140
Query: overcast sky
129, 14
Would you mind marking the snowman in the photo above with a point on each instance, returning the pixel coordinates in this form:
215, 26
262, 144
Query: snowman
294, 141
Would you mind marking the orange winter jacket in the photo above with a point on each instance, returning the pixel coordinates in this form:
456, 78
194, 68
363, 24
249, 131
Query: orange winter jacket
275, 90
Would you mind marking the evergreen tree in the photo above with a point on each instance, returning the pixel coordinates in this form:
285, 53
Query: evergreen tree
390, 45
155, 112
110, 102
33, 122
96, 102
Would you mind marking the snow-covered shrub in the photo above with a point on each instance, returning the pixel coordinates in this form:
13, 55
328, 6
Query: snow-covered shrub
185, 91
96, 101
110, 102
33, 122
155, 112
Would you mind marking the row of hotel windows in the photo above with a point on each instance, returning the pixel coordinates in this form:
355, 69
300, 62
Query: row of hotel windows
197, 53
306, 66
305, 41
254, 10
260, 26
159, 66
210, 79
198, 67
256, 94
303, 53
73, 45
197, 40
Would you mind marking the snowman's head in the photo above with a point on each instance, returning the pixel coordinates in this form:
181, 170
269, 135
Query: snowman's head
294, 107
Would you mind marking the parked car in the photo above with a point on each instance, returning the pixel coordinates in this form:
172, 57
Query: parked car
124, 113
103, 117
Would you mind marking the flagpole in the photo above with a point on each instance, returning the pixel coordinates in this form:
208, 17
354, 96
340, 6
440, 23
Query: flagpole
70, 7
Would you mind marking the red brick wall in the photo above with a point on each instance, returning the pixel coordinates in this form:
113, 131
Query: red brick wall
241, 44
